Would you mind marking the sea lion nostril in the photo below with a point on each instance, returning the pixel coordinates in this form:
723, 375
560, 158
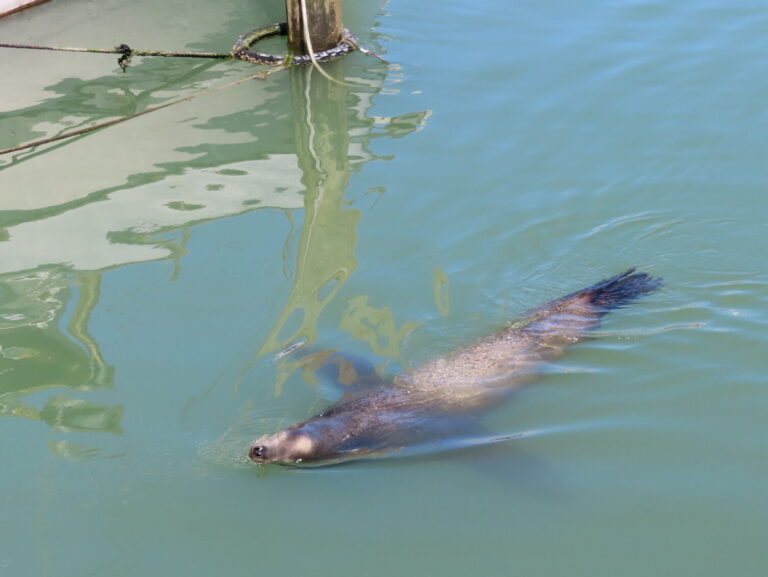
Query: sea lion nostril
257, 452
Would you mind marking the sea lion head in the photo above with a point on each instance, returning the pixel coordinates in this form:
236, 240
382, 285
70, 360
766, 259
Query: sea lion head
285, 447
310, 442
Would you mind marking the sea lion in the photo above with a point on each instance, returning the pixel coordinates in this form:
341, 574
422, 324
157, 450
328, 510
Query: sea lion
439, 397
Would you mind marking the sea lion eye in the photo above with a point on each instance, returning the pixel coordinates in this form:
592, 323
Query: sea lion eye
258, 452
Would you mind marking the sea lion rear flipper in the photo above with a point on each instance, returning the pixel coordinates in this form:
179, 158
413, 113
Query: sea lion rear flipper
571, 317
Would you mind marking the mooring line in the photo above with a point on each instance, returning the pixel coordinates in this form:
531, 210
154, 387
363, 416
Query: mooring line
258, 76
122, 49
240, 51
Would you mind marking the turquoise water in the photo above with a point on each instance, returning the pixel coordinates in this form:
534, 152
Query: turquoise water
151, 273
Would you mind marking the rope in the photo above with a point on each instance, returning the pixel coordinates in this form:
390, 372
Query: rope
242, 48
124, 50
114, 121
241, 51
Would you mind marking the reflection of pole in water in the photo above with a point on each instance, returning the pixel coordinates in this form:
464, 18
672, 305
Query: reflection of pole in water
326, 251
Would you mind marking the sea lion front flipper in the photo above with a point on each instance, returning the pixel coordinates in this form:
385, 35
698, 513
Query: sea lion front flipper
350, 373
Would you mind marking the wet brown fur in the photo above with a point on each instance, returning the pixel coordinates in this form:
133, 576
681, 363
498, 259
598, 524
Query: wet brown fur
422, 404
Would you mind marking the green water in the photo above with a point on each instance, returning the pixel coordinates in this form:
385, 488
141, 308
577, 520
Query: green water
151, 273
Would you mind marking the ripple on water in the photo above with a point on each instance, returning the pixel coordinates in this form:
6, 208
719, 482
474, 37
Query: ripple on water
230, 450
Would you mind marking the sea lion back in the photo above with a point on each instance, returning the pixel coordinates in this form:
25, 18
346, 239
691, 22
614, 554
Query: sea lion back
510, 357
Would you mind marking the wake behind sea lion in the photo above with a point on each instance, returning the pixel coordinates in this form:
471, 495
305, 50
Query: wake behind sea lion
438, 398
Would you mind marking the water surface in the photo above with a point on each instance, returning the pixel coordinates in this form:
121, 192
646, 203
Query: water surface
150, 273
